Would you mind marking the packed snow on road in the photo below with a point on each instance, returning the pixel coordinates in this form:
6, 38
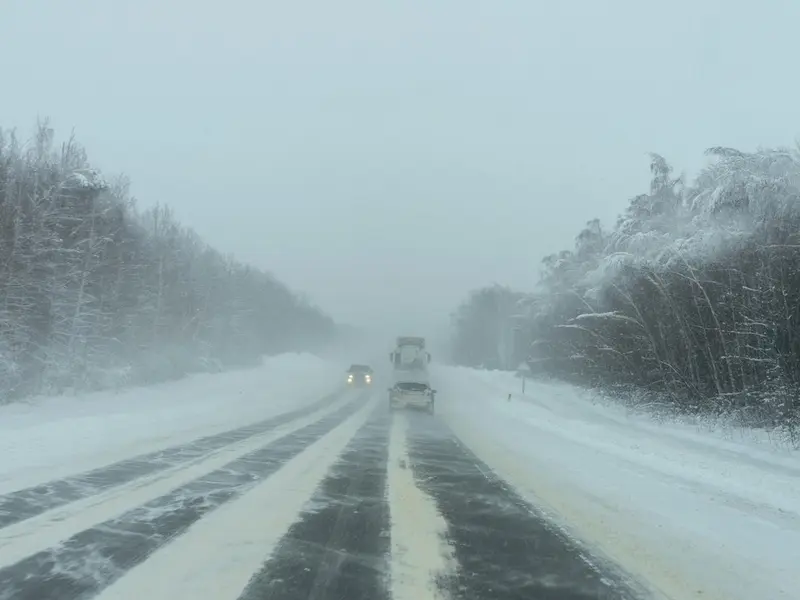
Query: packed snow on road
285, 482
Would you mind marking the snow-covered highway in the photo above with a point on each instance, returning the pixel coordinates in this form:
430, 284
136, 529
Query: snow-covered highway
298, 488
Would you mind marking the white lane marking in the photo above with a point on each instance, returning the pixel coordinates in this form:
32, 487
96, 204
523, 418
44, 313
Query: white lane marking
217, 556
420, 552
22, 539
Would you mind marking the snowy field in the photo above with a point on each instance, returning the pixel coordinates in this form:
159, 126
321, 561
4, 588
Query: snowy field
695, 514
48, 438
324, 491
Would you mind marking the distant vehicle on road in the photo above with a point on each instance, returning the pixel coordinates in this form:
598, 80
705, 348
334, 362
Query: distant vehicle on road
359, 375
412, 394
411, 380
410, 354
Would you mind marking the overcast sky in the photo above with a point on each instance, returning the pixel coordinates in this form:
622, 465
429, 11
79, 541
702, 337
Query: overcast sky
387, 156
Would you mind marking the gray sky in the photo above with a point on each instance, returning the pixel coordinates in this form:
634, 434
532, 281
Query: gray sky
386, 157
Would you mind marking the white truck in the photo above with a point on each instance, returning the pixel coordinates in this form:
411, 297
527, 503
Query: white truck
411, 385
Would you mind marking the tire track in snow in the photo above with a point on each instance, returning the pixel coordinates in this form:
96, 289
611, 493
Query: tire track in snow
420, 553
88, 562
505, 549
30, 502
217, 557
340, 546
23, 539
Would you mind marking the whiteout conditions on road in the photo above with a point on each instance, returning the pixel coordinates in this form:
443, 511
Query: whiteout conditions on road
685, 514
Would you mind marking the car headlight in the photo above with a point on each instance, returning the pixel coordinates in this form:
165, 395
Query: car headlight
368, 378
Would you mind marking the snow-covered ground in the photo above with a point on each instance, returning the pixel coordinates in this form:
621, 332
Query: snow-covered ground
49, 438
689, 513
419, 552
50, 528
694, 514
244, 532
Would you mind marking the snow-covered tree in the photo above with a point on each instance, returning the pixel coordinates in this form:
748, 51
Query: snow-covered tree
95, 293
694, 295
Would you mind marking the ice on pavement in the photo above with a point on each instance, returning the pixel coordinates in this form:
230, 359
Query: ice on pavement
691, 513
48, 438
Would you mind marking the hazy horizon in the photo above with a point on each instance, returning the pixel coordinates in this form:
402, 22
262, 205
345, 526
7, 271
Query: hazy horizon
385, 160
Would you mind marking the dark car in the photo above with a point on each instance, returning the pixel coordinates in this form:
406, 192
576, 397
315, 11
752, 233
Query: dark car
359, 375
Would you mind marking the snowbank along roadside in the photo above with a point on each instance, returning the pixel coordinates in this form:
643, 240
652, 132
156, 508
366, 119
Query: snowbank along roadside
690, 515
50, 438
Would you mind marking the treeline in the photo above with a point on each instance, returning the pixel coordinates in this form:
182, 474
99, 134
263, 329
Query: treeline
94, 293
693, 298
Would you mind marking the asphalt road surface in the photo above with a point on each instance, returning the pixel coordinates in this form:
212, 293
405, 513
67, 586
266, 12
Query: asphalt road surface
448, 528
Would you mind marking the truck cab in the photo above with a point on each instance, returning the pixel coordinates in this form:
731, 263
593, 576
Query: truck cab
410, 354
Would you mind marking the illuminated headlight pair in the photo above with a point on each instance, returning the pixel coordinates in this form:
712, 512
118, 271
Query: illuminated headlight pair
349, 378
368, 378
